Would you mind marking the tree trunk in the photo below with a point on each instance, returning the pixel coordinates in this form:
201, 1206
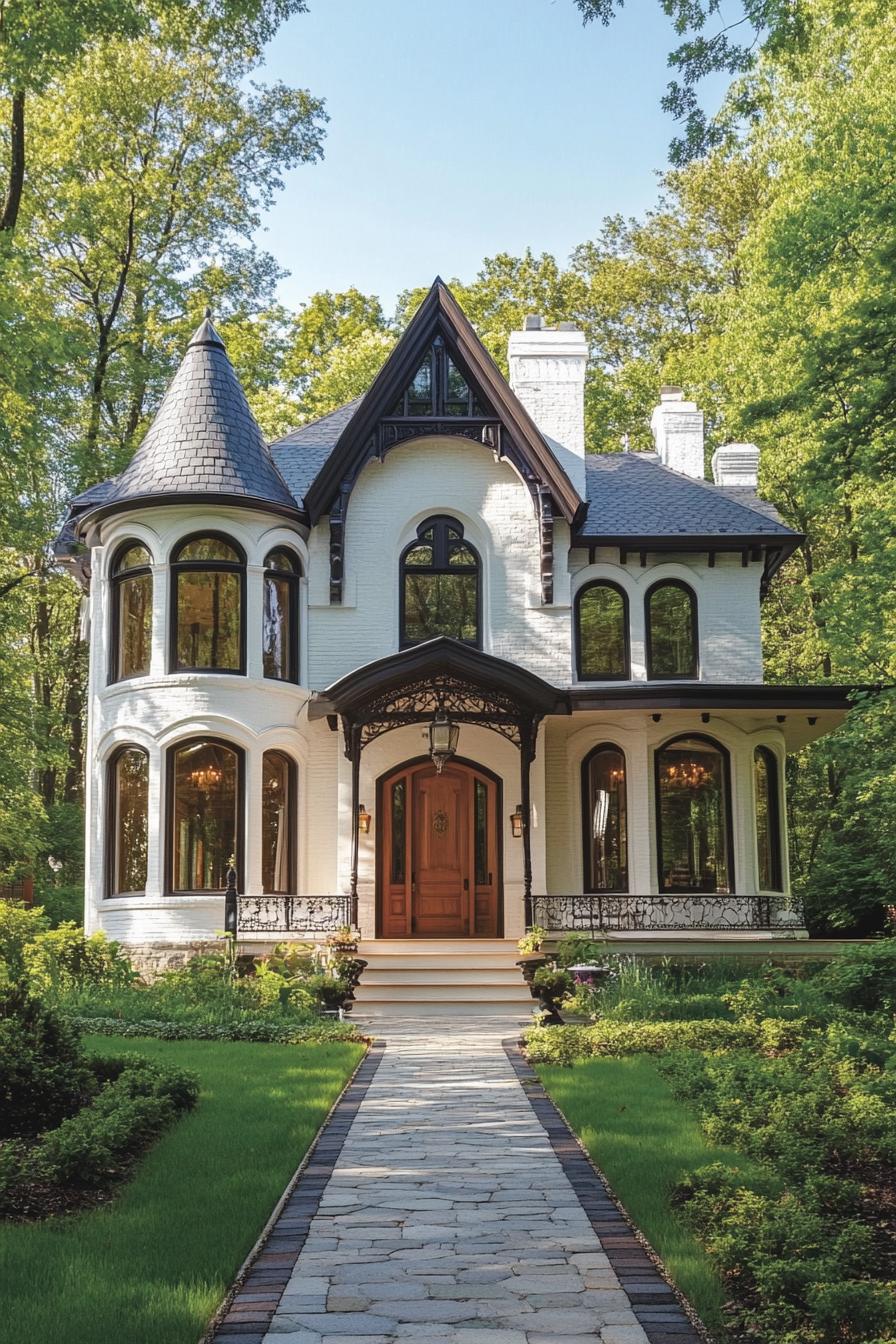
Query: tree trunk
16, 164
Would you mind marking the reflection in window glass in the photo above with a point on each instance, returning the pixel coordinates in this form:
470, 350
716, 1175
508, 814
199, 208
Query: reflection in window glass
133, 598
277, 814
130, 809
671, 631
457, 392
606, 832
204, 815
480, 832
280, 615
440, 585
208, 619
399, 815
420, 390
602, 634
768, 824
693, 804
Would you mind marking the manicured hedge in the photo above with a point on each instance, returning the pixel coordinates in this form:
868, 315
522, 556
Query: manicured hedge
563, 1045
245, 1030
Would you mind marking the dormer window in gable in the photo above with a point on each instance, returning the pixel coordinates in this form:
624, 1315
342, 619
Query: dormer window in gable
439, 388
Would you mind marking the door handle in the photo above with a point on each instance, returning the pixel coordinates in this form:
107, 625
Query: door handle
466, 884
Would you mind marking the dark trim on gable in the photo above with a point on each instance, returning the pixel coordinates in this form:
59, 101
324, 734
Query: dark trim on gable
713, 695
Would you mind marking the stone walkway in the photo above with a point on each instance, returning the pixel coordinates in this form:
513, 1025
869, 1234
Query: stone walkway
441, 1209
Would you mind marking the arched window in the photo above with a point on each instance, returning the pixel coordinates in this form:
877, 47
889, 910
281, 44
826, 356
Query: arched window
131, 612
128, 822
205, 785
602, 633
604, 819
440, 585
278, 824
768, 820
280, 621
671, 631
207, 600
693, 808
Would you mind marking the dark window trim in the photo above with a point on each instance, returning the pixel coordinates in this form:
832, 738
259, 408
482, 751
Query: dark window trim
112, 810
694, 672
294, 583
291, 821
775, 814
626, 674
179, 567
586, 820
729, 813
439, 522
170, 753
116, 580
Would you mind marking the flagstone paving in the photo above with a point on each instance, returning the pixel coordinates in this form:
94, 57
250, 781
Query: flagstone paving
457, 1211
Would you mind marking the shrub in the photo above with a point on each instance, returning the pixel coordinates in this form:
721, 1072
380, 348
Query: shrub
19, 926
862, 978
42, 1075
563, 1045
244, 1029
64, 958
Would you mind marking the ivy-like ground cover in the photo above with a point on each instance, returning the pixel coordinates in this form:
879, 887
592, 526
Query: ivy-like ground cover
152, 1266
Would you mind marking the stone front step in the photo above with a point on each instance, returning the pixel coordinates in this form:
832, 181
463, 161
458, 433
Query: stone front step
424, 976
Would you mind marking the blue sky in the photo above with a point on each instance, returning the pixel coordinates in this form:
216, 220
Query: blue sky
462, 128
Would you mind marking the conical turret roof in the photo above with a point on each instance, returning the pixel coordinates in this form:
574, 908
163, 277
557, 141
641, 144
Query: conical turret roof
204, 440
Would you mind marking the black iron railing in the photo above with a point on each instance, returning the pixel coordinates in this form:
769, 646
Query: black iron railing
679, 911
292, 914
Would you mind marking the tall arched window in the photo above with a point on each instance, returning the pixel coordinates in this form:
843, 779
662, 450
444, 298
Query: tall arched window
278, 824
280, 622
604, 819
205, 785
131, 612
671, 631
207, 600
602, 632
440, 585
128, 822
768, 820
693, 809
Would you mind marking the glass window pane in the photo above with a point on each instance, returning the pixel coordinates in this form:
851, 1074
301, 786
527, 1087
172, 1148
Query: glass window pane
205, 815
277, 810
693, 811
209, 548
768, 831
277, 620
130, 807
419, 555
420, 390
134, 599
602, 634
606, 836
133, 558
461, 555
480, 832
399, 833
457, 398
440, 604
284, 561
208, 619
672, 644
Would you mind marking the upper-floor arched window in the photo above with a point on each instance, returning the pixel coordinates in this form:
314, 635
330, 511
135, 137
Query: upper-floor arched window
440, 585
671, 611
205, 787
768, 820
693, 809
207, 600
131, 635
601, 621
604, 819
280, 619
128, 821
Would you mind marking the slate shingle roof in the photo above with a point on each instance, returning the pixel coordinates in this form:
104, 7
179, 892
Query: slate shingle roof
301, 453
66, 541
633, 494
204, 439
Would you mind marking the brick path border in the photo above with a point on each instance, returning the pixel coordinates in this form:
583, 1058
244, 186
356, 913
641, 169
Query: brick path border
250, 1311
656, 1304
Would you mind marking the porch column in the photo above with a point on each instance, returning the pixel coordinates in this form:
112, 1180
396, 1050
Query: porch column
355, 748
527, 734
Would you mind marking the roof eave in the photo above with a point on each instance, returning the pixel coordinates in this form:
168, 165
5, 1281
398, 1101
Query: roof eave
91, 517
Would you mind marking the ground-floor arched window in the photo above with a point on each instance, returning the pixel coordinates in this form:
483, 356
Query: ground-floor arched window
604, 819
205, 792
768, 820
278, 824
129, 821
693, 804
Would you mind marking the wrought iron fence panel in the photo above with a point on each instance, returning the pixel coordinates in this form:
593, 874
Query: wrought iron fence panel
293, 914
623, 913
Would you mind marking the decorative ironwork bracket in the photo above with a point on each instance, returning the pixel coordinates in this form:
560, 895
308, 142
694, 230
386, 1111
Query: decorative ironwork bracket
546, 531
337, 543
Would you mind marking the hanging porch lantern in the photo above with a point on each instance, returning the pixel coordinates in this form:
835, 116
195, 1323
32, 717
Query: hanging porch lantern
443, 735
516, 822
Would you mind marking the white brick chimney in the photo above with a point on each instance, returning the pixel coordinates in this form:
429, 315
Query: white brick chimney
736, 464
677, 428
547, 373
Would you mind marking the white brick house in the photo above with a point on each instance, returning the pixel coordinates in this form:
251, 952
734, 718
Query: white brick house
274, 633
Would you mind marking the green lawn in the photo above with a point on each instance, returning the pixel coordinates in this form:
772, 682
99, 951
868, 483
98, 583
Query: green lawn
153, 1266
644, 1141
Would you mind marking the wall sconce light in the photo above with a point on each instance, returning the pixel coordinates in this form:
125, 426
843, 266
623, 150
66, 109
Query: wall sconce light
516, 822
363, 819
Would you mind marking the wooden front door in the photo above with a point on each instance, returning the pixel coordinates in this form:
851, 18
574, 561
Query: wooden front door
438, 853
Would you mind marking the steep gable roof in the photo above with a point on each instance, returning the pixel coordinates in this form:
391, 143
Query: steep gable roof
440, 315
203, 442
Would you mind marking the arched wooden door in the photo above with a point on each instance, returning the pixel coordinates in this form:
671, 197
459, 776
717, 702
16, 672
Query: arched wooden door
438, 860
